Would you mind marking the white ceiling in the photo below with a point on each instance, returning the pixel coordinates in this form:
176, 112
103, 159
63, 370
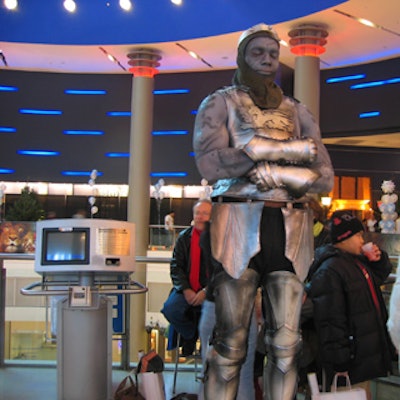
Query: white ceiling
349, 43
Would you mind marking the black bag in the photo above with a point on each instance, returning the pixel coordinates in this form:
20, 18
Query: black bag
127, 390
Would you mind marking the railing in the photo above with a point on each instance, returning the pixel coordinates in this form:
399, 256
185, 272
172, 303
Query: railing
48, 288
160, 238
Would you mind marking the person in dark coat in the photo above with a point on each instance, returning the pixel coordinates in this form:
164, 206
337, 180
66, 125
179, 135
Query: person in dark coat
320, 230
189, 275
349, 311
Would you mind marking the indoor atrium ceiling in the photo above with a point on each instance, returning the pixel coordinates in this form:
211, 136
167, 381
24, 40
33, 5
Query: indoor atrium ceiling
43, 36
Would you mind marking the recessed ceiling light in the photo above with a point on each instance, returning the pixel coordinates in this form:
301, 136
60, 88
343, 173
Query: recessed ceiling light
11, 4
70, 5
125, 5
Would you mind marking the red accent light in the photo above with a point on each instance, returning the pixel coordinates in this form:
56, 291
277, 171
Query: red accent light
308, 50
147, 72
308, 40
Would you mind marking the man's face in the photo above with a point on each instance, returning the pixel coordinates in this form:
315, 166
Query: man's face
262, 55
201, 215
353, 244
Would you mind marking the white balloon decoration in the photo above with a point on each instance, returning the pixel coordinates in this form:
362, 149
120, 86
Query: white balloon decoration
92, 199
159, 195
387, 208
206, 193
93, 174
94, 210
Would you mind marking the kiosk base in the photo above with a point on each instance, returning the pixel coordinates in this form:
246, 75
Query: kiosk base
84, 350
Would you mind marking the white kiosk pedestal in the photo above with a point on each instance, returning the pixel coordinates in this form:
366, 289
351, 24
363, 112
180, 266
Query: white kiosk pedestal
84, 350
84, 260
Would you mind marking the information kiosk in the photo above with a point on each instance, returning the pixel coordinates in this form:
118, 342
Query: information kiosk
82, 263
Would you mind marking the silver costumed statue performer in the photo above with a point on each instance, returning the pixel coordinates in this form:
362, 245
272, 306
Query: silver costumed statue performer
264, 154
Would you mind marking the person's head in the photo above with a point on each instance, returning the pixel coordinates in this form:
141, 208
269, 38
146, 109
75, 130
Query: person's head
347, 232
318, 211
258, 62
201, 213
81, 213
258, 48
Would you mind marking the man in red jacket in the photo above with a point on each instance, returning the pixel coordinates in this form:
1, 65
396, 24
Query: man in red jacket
189, 275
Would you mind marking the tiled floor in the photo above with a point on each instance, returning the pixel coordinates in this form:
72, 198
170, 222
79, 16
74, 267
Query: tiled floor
40, 383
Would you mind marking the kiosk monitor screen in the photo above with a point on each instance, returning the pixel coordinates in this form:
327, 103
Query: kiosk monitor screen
69, 246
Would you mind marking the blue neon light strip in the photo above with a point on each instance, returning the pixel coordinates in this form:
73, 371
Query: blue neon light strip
76, 91
117, 155
375, 83
38, 153
8, 88
191, 154
7, 129
164, 133
79, 173
39, 112
345, 78
194, 112
370, 114
168, 174
119, 113
83, 132
171, 91
6, 171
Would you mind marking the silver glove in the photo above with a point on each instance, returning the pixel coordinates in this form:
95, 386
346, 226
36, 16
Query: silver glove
291, 151
296, 180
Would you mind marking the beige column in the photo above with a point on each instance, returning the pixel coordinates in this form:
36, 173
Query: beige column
307, 42
144, 62
307, 83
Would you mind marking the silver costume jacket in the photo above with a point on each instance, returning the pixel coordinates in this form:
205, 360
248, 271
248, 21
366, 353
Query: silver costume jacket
226, 122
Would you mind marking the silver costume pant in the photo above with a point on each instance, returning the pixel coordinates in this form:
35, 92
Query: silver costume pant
282, 297
234, 303
233, 308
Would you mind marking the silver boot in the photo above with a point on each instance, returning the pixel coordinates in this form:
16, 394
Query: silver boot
234, 301
283, 294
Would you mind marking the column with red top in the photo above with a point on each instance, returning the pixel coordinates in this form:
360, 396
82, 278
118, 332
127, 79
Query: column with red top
144, 63
307, 42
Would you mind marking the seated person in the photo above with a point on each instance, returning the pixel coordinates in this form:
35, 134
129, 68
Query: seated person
189, 275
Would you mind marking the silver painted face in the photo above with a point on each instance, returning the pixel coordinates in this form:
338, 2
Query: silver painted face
262, 55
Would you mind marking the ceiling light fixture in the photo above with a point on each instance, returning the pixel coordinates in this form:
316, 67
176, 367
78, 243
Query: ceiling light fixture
125, 5
367, 22
194, 55
308, 40
70, 5
11, 4
112, 58
177, 2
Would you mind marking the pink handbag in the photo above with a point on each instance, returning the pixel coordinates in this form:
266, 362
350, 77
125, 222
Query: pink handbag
348, 394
